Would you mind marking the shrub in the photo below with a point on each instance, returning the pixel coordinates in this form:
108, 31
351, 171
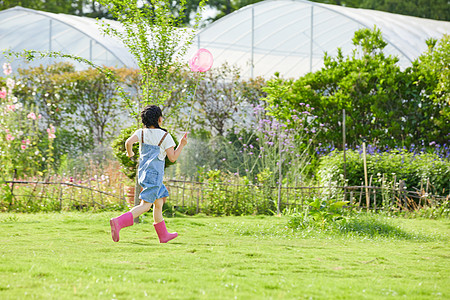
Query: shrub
414, 169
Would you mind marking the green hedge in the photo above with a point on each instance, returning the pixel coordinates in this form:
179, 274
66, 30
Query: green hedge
413, 168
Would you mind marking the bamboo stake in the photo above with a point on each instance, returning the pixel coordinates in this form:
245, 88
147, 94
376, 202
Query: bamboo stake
365, 176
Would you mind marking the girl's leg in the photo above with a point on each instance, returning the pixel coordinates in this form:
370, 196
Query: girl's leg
140, 209
126, 219
160, 225
157, 210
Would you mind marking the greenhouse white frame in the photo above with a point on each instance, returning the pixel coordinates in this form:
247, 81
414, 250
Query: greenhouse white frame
285, 36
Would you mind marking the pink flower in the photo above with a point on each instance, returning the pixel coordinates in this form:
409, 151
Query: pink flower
9, 137
51, 129
7, 68
3, 93
51, 132
11, 107
32, 115
28, 142
23, 147
39, 116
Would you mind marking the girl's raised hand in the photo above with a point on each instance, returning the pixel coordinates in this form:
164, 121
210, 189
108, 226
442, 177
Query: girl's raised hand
183, 141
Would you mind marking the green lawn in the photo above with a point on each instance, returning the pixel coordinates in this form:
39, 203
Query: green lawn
71, 255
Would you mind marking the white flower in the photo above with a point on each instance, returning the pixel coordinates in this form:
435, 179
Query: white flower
10, 83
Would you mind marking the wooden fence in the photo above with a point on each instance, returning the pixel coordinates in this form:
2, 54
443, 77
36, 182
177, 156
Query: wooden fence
195, 197
197, 194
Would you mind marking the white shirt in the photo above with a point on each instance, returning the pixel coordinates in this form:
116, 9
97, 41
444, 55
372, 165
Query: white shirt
153, 136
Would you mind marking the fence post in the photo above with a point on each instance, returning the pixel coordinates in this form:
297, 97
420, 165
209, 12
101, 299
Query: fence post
197, 210
184, 191
12, 188
137, 191
92, 194
60, 194
375, 200
393, 190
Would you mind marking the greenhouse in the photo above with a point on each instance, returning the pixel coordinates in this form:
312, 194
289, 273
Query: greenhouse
285, 36
291, 36
27, 29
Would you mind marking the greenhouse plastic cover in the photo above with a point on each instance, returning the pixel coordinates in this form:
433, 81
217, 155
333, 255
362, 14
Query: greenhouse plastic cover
291, 36
27, 29
285, 36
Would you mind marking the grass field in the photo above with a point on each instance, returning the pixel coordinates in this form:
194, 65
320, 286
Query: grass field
71, 256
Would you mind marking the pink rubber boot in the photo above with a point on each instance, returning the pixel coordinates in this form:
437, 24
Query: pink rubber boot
120, 222
163, 235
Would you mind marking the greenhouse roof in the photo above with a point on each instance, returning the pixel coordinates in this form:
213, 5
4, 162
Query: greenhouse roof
291, 36
27, 29
285, 36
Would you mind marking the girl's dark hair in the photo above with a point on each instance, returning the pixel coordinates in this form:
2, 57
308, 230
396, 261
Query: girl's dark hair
150, 116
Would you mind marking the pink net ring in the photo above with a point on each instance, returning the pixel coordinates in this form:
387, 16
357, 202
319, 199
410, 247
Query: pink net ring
202, 61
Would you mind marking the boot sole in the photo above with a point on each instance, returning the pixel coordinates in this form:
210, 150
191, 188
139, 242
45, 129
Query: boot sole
114, 231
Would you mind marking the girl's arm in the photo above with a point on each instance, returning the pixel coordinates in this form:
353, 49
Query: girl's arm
173, 154
129, 145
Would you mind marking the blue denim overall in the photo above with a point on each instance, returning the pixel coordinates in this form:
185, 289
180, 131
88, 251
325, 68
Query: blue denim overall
151, 172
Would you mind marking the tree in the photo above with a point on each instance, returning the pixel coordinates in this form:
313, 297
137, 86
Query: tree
431, 9
94, 103
82, 105
430, 76
383, 104
150, 33
87, 8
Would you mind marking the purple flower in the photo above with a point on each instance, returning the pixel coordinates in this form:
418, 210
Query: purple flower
251, 146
